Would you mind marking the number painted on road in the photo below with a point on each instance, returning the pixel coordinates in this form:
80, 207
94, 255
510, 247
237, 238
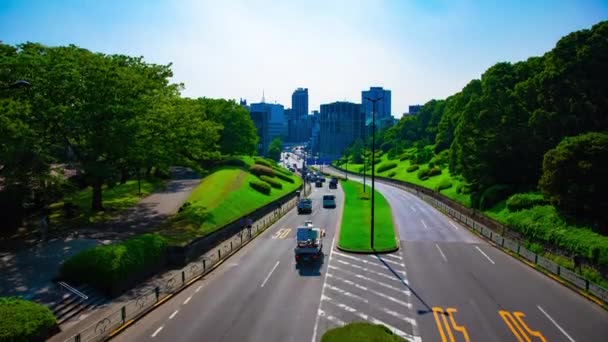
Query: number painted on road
446, 327
521, 331
281, 233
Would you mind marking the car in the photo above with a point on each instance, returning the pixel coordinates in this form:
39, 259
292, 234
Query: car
329, 201
305, 206
318, 184
333, 183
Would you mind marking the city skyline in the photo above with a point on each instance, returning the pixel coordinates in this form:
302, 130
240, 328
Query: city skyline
419, 49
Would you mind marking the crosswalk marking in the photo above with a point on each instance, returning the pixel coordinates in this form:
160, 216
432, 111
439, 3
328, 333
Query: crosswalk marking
392, 277
400, 290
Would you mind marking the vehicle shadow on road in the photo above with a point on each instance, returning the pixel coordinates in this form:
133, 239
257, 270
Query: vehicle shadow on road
404, 283
310, 269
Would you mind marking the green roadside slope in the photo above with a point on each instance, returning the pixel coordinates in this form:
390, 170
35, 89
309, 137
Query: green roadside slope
360, 332
355, 232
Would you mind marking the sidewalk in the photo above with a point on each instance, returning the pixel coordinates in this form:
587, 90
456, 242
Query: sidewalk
29, 272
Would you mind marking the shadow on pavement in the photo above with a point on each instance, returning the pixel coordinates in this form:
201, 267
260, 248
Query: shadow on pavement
420, 312
310, 269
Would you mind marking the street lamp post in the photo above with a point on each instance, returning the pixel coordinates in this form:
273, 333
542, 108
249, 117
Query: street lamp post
373, 160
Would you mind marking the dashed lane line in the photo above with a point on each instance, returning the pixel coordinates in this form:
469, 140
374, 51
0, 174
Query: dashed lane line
441, 252
269, 274
156, 331
555, 323
173, 314
424, 224
187, 300
484, 254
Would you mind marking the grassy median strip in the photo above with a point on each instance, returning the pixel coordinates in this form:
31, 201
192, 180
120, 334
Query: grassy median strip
360, 332
355, 230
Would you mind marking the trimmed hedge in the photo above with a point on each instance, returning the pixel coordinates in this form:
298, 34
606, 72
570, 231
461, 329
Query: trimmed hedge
525, 201
424, 174
230, 162
444, 184
391, 174
260, 186
260, 170
285, 177
111, 267
404, 157
273, 182
263, 162
493, 195
282, 171
23, 320
386, 166
412, 168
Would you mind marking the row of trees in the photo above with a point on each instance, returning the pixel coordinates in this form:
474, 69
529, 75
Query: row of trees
113, 116
506, 127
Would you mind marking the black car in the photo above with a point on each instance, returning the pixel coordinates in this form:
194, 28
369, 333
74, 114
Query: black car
333, 183
319, 184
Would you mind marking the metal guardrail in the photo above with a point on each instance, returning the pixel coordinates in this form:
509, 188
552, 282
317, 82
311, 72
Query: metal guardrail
103, 328
515, 247
73, 290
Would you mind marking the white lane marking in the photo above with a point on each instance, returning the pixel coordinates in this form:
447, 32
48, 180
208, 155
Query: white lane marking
346, 293
367, 262
268, 276
484, 254
198, 288
187, 300
453, 225
157, 331
319, 311
173, 314
413, 209
440, 251
555, 323
424, 224
392, 277
379, 294
394, 256
330, 318
388, 260
400, 316
407, 292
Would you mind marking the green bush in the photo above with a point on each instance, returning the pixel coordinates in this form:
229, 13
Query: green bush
424, 174
442, 159
412, 168
423, 155
264, 162
404, 157
109, 266
524, 201
230, 162
360, 169
273, 182
260, 170
386, 166
391, 174
260, 186
22, 320
287, 178
493, 194
282, 171
444, 184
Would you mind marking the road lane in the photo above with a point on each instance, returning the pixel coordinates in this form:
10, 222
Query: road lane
230, 304
495, 300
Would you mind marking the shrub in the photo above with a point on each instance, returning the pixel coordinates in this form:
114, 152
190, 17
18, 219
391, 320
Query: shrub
260, 170
377, 160
23, 320
404, 157
360, 169
444, 184
386, 166
524, 201
412, 168
423, 155
112, 266
280, 170
273, 182
287, 178
260, 186
230, 162
492, 195
424, 174
391, 174
442, 159
434, 171
264, 162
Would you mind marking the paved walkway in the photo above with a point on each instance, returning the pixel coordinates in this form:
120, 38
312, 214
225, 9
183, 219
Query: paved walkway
29, 272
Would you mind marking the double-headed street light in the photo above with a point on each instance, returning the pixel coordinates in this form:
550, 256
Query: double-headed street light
373, 160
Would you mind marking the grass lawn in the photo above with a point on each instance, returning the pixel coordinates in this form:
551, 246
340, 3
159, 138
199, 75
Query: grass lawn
355, 230
360, 332
222, 197
117, 198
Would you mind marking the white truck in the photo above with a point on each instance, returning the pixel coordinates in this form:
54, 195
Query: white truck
309, 243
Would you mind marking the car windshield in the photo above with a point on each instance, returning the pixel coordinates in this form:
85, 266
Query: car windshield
328, 197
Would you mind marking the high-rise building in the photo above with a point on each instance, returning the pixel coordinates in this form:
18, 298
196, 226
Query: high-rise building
299, 102
269, 119
341, 123
414, 109
383, 107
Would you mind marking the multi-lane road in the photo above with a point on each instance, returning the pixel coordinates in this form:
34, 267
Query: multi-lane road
444, 284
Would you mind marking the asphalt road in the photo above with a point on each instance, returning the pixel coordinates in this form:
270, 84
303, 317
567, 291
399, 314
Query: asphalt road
464, 289
256, 295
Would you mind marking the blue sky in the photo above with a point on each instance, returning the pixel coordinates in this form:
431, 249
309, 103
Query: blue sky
420, 49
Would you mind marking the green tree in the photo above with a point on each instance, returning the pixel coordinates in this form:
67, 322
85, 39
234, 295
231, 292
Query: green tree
574, 176
238, 134
275, 148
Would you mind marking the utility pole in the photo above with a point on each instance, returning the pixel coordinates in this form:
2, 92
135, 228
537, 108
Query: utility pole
373, 160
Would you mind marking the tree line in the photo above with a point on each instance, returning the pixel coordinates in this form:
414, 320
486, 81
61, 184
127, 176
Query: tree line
535, 124
113, 117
